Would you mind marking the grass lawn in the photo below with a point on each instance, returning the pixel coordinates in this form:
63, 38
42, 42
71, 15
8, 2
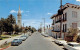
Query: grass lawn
7, 36
4, 38
14, 35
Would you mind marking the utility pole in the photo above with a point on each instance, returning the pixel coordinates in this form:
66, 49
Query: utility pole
44, 24
61, 19
41, 26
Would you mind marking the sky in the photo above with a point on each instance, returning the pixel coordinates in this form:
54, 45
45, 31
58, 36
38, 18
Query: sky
32, 10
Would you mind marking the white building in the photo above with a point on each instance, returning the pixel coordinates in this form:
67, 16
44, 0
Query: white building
19, 18
70, 18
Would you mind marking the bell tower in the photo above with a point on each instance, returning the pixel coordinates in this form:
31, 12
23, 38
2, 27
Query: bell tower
19, 18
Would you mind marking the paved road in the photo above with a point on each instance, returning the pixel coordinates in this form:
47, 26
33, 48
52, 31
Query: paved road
36, 42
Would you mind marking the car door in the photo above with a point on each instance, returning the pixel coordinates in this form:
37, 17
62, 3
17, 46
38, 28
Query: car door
70, 46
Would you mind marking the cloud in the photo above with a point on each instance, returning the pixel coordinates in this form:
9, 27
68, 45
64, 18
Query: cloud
14, 11
78, 0
49, 13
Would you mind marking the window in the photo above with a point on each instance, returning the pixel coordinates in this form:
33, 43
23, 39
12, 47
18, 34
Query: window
65, 16
19, 17
58, 18
74, 25
74, 14
53, 22
19, 21
65, 27
55, 19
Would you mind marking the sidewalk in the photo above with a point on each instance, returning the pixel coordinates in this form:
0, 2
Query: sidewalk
8, 40
49, 37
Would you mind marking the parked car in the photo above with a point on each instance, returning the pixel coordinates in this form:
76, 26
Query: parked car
62, 42
57, 40
72, 46
23, 37
16, 41
27, 35
45, 35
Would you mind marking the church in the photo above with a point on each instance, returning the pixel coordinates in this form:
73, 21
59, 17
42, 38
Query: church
19, 18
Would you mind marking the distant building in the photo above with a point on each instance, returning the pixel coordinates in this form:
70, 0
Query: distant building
70, 18
19, 18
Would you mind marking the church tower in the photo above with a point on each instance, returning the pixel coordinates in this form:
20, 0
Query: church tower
19, 18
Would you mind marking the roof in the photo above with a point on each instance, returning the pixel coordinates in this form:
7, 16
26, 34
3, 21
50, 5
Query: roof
19, 11
71, 5
67, 5
53, 16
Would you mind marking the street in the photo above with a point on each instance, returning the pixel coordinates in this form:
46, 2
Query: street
36, 42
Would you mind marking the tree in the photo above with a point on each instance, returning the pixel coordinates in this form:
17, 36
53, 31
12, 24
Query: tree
11, 21
2, 27
16, 28
9, 25
29, 27
73, 32
33, 29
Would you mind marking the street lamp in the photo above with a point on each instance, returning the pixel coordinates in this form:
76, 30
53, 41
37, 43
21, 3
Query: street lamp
41, 26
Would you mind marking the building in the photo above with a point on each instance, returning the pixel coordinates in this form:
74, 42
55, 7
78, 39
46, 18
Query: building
70, 18
48, 31
19, 18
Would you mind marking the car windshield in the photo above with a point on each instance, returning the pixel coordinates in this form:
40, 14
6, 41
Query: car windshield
15, 40
23, 36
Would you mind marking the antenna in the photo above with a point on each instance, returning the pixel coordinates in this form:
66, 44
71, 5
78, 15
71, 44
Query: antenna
61, 4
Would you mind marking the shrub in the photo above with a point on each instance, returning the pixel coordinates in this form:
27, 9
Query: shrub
0, 38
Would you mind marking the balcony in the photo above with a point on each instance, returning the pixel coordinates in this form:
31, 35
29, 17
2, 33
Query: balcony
58, 21
55, 31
